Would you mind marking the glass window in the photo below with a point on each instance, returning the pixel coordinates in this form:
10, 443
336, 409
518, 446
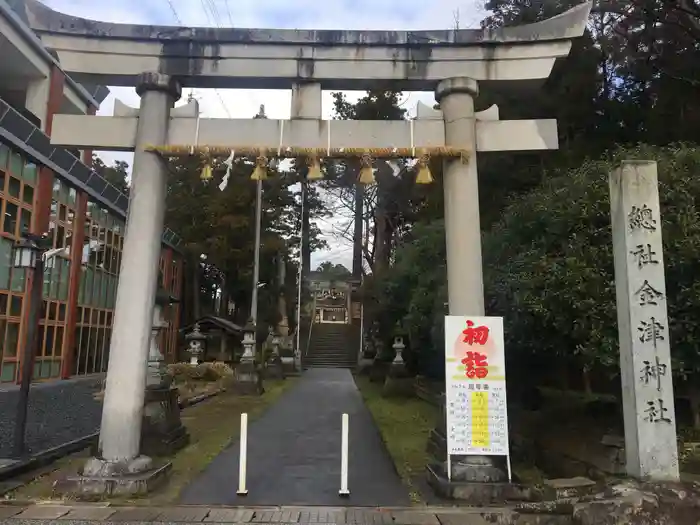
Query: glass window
15, 306
60, 237
64, 194
55, 277
28, 195
11, 339
5, 262
25, 220
16, 164
14, 188
10, 224
56, 187
96, 287
62, 311
105, 290
7, 374
30, 171
52, 310
49, 341
48, 278
82, 337
4, 155
63, 284
17, 280
3, 324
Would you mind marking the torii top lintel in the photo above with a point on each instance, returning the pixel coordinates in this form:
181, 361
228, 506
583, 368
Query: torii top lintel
205, 57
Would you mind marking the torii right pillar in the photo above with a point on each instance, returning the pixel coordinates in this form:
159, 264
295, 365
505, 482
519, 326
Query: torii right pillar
465, 283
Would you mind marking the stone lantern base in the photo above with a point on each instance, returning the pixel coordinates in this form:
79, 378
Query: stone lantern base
398, 382
247, 379
275, 368
162, 431
289, 365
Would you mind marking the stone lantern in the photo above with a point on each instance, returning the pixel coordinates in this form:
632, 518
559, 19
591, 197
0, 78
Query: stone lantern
162, 432
398, 382
248, 380
249, 341
195, 341
156, 370
398, 347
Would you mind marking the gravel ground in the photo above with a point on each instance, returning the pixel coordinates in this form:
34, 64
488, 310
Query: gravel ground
59, 411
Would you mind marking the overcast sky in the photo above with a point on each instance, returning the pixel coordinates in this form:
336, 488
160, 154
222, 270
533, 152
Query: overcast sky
282, 14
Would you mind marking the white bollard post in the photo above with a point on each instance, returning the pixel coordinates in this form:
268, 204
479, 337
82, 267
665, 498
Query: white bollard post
344, 458
242, 460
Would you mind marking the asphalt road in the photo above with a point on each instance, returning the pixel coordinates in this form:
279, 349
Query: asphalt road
294, 452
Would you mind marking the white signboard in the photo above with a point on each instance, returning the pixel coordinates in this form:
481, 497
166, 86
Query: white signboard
475, 373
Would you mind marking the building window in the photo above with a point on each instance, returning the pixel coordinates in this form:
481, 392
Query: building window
101, 259
171, 282
18, 177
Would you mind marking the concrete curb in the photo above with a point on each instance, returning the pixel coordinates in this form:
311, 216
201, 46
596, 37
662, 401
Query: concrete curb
46, 457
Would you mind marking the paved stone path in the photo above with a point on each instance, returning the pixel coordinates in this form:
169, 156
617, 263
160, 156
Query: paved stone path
294, 452
97, 514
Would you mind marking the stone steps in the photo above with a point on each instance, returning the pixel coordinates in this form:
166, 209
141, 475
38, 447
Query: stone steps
331, 347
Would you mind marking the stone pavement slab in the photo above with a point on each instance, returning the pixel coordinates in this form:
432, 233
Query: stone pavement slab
9, 511
294, 452
368, 517
135, 514
276, 516
415, 518
43, 512
230, 516
183, 514
90, 513
322, 515
476, 516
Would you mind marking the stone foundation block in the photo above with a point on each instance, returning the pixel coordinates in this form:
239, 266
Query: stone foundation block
477, 493
275, 369
398, 387
96, 486
247, 379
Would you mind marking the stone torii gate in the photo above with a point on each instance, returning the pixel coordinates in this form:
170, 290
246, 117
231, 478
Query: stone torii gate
159, 61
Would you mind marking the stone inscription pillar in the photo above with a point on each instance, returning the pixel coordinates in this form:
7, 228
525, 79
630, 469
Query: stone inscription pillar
465, 283
645, 353
120, 432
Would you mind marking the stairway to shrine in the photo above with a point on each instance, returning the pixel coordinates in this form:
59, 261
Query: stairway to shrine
333, 346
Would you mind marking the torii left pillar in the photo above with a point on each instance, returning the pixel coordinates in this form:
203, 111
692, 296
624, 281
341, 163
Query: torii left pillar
119, 456
465, 284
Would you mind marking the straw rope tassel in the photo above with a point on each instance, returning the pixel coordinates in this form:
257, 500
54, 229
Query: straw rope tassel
314, 168
423, 175
366, 171
260, 171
